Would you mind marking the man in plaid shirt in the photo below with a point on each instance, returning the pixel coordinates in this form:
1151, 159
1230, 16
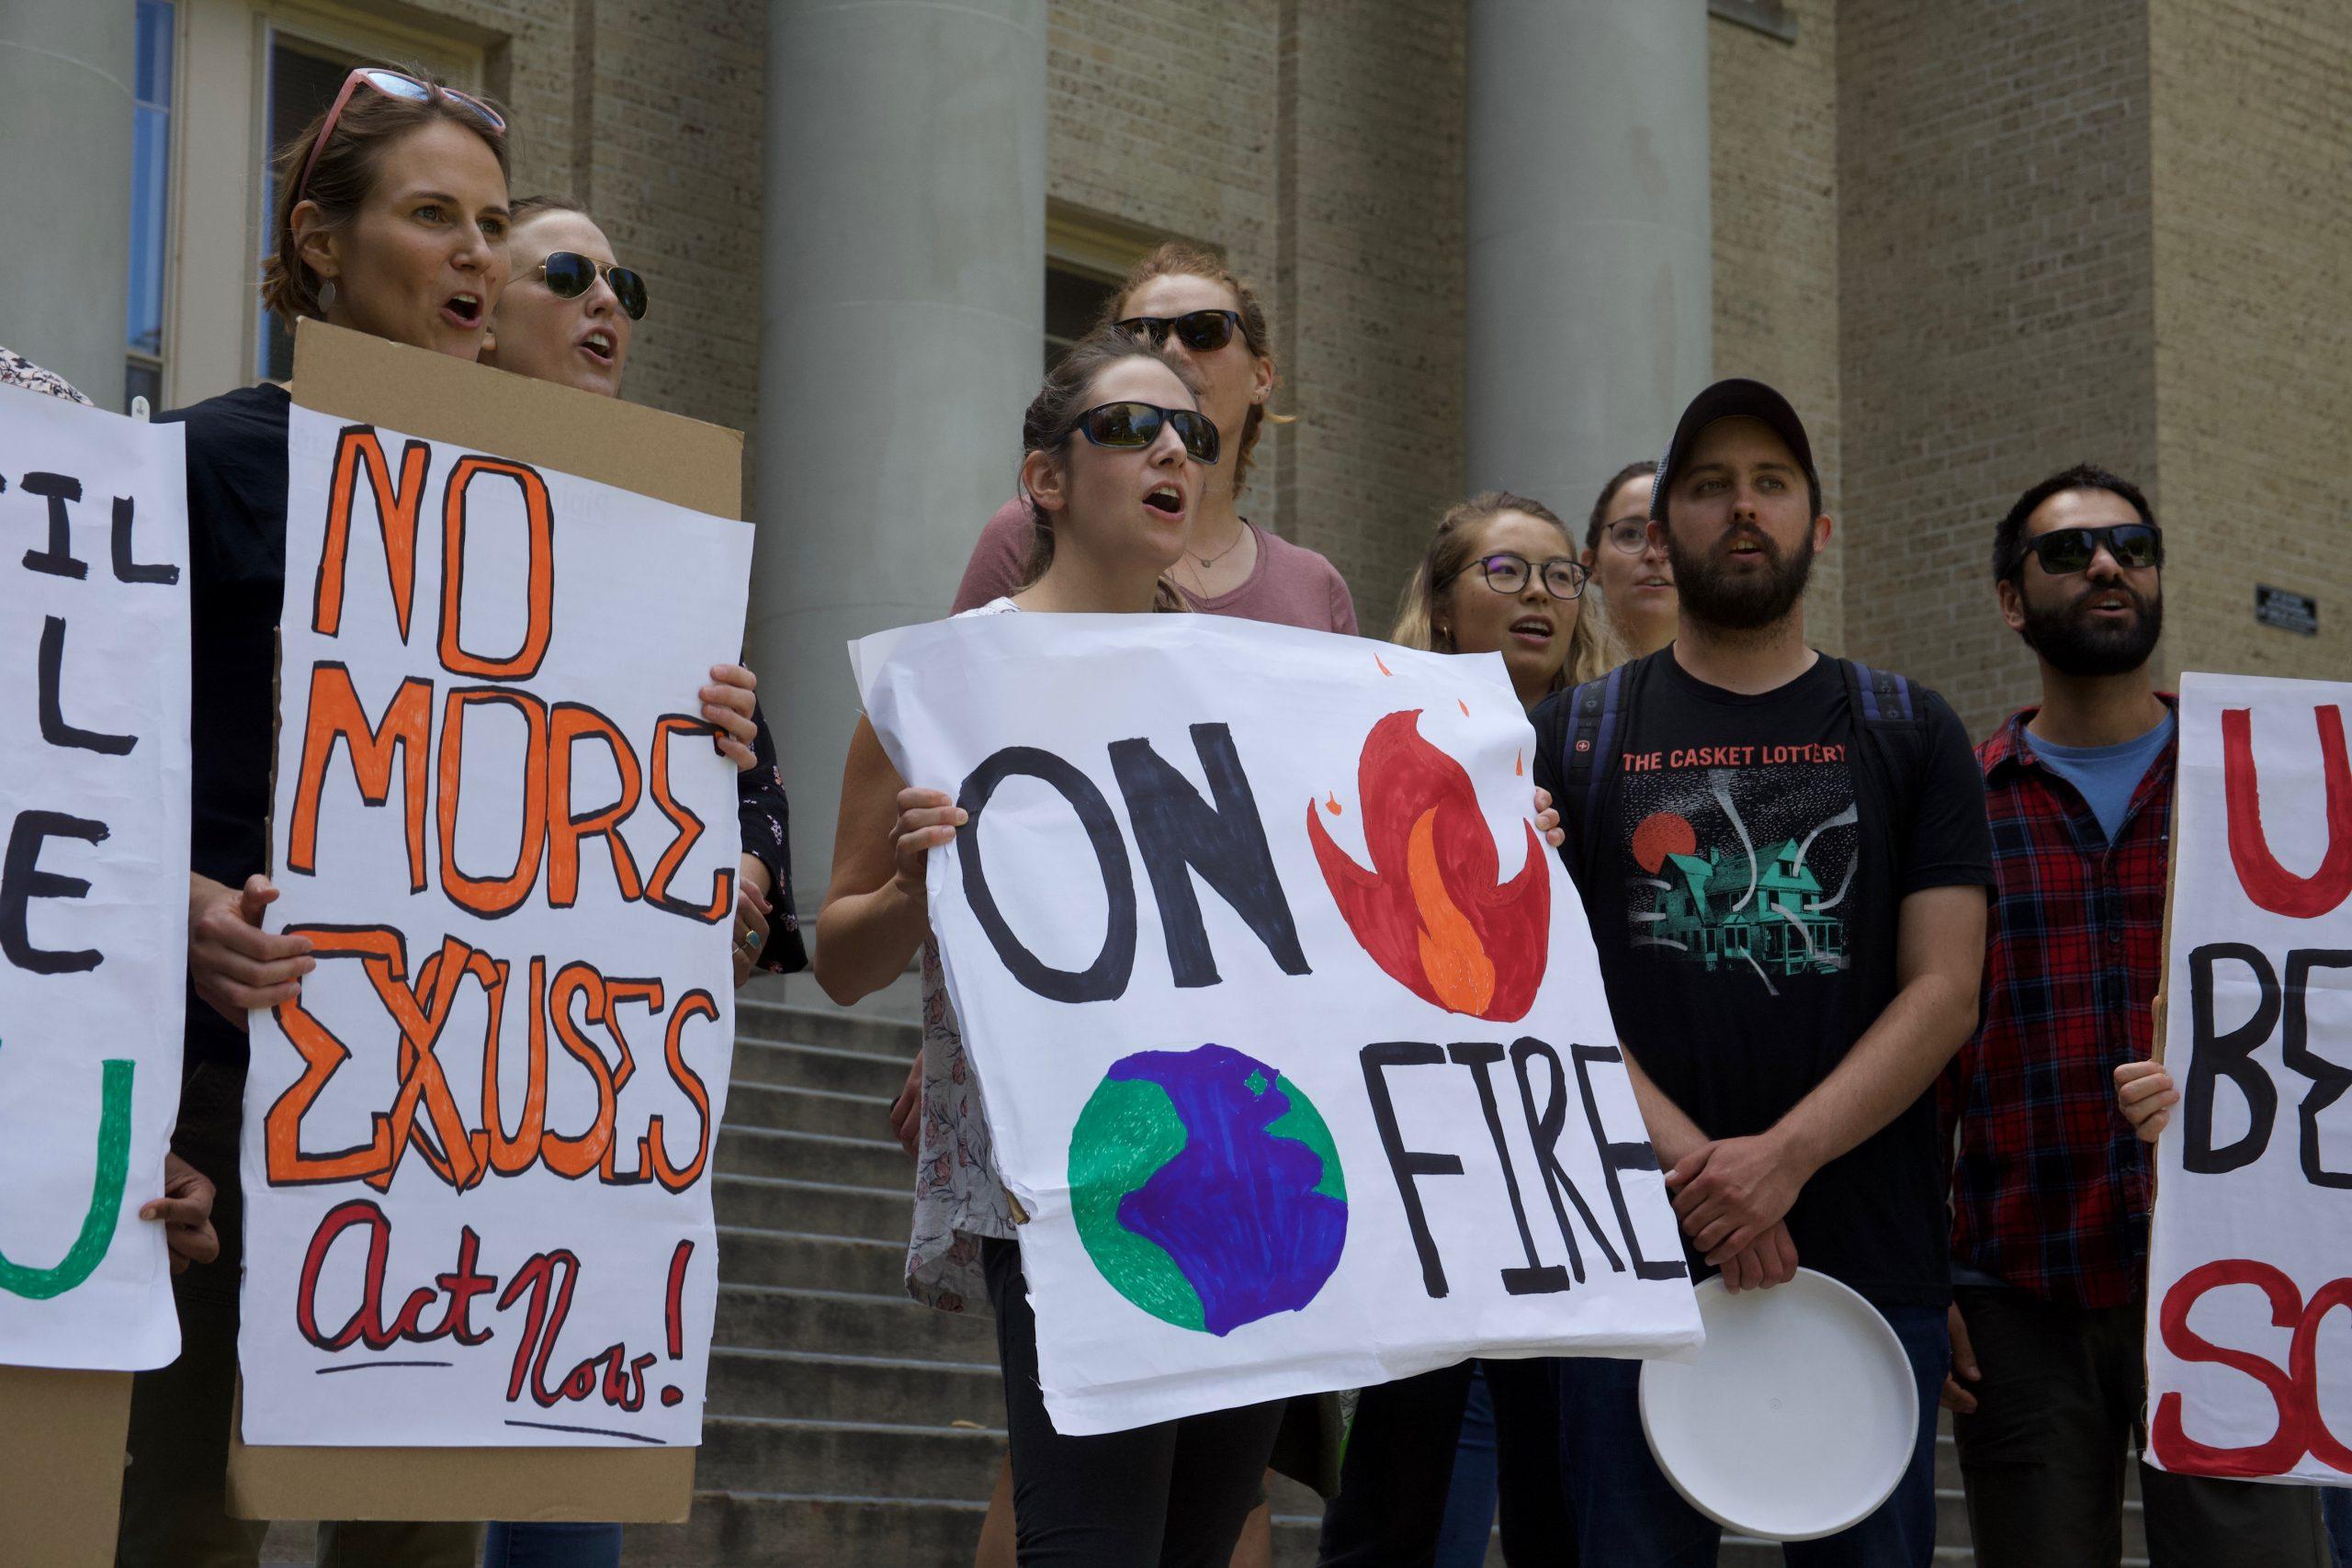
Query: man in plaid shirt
2051, 1189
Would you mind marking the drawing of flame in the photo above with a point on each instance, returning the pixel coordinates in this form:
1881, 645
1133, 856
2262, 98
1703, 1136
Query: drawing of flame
1434, 913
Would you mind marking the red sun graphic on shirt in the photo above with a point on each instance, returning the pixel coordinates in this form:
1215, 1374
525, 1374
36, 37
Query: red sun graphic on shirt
1660, 834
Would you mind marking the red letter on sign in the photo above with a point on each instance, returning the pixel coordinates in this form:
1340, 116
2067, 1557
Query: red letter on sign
2285, 1445
2267, 883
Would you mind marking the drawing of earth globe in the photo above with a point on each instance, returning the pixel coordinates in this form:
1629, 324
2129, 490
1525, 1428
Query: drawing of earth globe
1207, 1189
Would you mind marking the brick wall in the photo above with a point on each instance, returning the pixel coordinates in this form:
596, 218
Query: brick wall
1998, 313
1774, 156
1369, 232
2252, 339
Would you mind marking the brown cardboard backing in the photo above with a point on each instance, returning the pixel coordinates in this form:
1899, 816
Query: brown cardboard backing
372, 380
61, 1466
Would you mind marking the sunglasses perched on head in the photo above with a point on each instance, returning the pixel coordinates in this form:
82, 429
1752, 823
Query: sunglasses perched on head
2064, 551
392, 85
1134, 424
1509, 573
1203, 331
570, 275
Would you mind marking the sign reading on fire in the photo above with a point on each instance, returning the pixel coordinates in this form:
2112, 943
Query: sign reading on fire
1291, 1035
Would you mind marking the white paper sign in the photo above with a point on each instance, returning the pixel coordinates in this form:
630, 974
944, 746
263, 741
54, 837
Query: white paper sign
94, 787
2249, 1341
1289, 1028
477, 1153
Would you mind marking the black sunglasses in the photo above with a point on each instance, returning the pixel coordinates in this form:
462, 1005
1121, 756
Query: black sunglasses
1507, 573
2065, 551
570, 275
1203, 331
1138, 424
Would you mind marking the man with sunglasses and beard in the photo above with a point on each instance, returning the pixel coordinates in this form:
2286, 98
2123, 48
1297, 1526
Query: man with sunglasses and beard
1783, 859
2050, 1190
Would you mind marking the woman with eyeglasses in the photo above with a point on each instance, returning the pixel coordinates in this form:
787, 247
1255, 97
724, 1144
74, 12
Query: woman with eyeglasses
1500, 576
1117, 457
568, 316
1635, 580
391, 219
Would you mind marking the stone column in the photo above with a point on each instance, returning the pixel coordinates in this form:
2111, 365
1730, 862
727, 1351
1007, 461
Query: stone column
901, 336
65, 120
1589, 273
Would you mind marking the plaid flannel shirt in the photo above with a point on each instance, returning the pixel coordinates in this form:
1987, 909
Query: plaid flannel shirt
2050, 1190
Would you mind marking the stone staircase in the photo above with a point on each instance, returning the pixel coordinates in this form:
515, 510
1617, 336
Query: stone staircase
847, 1426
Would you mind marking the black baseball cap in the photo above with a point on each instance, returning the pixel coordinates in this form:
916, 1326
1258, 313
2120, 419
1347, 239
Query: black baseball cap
1737, 398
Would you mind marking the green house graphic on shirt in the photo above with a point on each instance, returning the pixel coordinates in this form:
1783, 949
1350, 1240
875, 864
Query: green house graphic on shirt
1708, 911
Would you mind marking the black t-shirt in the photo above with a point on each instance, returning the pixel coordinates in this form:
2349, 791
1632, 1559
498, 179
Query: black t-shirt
1748, 860
236, 522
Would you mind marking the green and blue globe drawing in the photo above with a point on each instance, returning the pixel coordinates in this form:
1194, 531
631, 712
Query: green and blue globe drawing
1207, 1188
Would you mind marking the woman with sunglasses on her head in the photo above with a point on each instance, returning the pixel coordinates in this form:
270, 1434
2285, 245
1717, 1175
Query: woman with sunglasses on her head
1500, 576
1629, 565
568, 316
1115, 460
391, 219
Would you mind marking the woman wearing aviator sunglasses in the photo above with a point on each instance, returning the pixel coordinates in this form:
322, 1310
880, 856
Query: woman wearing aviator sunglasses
566, 317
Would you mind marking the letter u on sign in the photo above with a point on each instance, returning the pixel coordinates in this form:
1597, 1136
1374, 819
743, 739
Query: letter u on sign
2269, 885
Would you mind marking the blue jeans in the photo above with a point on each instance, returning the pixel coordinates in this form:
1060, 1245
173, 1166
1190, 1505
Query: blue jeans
552, 1546
2335, 1503
1629, 1515
1470, 1499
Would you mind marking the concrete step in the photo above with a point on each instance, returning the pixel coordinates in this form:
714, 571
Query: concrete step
761, 1453
877, 1036
803, 1385
800, 1066
817, 1208
762, 1527
808, 1261
839, 1323
813, 1157
790, 1108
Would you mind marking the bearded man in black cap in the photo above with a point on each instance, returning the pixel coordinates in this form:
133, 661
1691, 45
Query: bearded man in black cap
1783, 858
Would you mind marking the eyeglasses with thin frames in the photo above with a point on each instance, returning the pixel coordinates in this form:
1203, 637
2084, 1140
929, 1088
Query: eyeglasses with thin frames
1507, 573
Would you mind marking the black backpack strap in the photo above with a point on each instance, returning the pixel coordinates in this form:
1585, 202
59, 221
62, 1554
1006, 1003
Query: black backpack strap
1878, 696
1588, 750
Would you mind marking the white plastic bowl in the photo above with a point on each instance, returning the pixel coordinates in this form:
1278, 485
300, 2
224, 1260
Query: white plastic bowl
1799, 1416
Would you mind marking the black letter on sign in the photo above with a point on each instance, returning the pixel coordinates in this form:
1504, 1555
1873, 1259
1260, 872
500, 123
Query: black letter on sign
2230, 1055
58, 559
2329, 1081
1178, 833
124, 569
53, 727
1544, 1131
1106, 977
1408, 1163
1615, 1157
1538, 1278
22, 880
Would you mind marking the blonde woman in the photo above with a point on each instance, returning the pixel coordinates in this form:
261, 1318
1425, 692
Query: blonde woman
1501, 576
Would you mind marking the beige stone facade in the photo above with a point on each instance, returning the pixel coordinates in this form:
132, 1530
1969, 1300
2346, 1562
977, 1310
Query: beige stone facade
1973, 242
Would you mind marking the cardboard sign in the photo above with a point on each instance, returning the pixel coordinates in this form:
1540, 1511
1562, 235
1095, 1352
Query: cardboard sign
2248, 1373
1289, 1029
94, 805
477, 1152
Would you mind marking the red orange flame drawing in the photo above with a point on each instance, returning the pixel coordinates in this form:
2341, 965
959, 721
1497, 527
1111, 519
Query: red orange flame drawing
1432, 911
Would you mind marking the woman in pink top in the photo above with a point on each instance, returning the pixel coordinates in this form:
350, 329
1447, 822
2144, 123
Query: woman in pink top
1183, 298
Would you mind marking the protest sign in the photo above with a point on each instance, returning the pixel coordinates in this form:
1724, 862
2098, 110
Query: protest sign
93, 803
476, 1150
2246, 1376
1289, 1028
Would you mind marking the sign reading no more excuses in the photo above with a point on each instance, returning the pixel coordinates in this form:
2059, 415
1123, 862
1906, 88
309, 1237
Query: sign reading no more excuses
1290, 1031
478, 1149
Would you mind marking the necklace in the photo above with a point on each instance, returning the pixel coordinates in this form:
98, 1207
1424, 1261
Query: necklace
1208, 561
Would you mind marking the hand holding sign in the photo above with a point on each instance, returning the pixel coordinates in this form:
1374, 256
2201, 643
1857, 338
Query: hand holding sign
234, 965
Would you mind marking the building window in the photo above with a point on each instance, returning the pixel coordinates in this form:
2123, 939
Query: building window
151, 161
1074, 302
304, 77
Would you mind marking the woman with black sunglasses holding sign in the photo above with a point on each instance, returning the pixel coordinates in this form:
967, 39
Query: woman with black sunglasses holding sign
391, 219
1116, 460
